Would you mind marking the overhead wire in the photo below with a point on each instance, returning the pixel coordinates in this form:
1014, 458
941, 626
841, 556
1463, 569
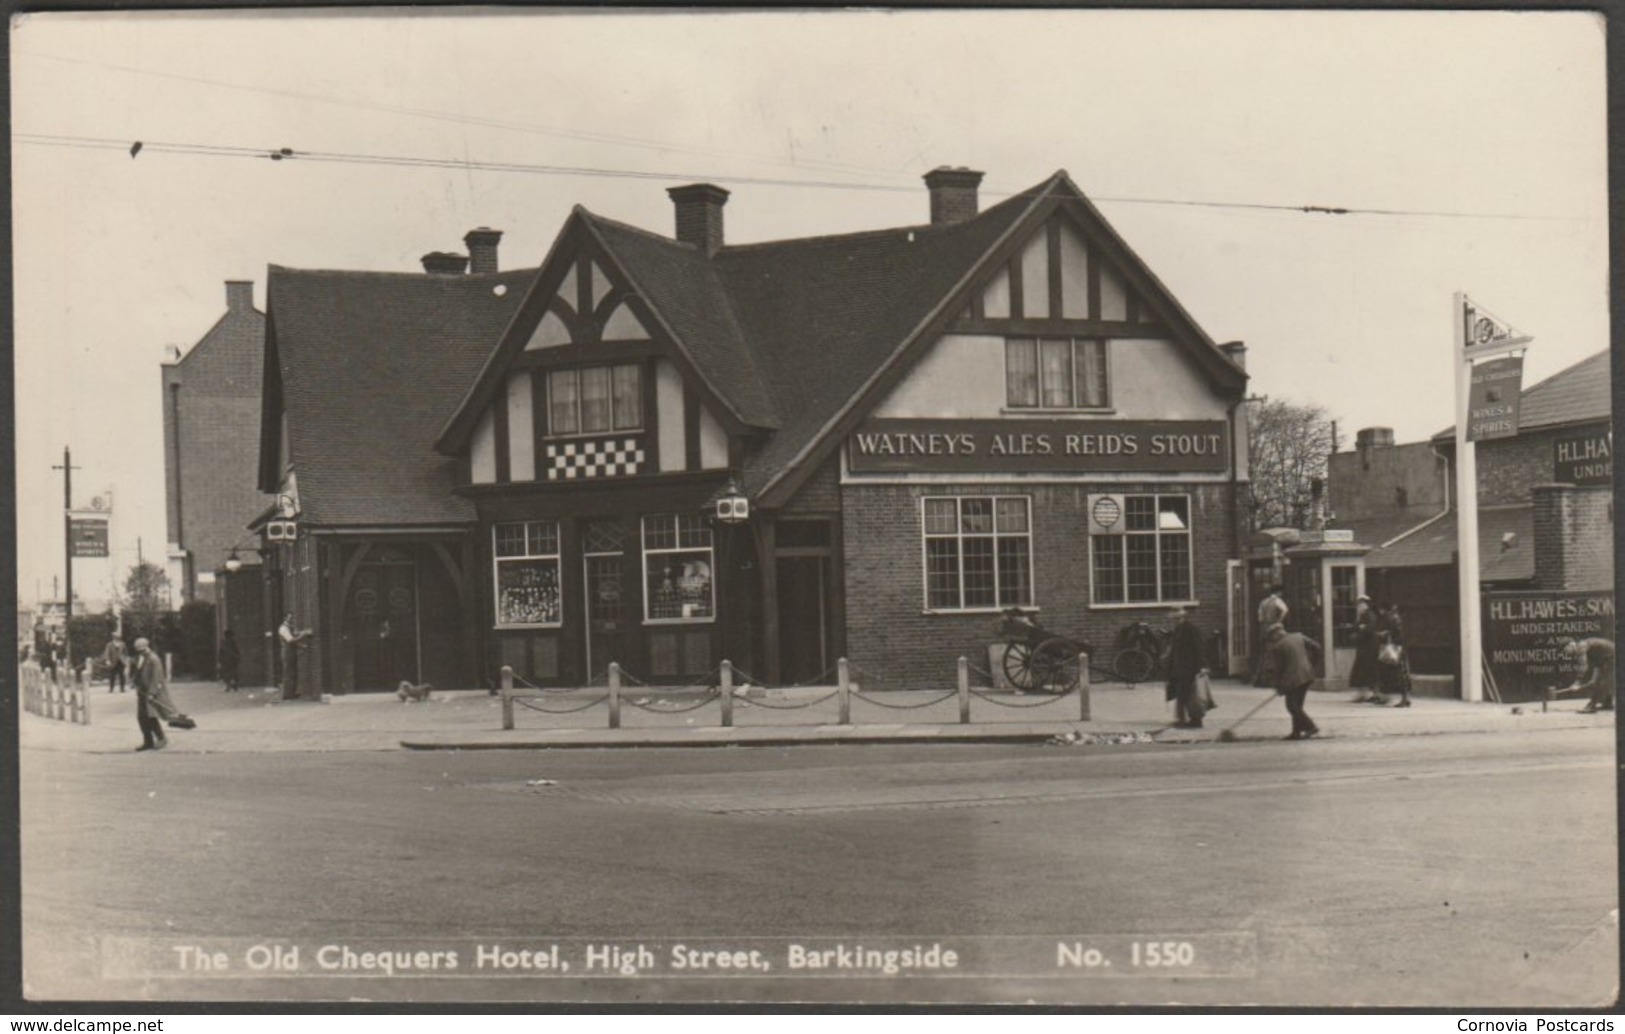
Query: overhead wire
409, 161
591, 136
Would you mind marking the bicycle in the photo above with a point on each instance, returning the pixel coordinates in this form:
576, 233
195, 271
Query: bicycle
1140, 649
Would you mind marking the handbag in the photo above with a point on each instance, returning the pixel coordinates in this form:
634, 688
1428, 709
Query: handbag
1390, 654
1204, 690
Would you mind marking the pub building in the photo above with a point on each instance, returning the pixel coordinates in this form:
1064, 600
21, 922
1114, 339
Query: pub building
905, 431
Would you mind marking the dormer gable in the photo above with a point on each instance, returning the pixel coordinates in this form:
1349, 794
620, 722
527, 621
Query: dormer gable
589, 383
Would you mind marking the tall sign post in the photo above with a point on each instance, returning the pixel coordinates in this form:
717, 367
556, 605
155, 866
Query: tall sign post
1488, 385
67, 556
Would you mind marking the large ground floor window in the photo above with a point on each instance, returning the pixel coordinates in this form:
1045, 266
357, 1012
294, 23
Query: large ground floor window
978, 552
1150, 560
526, 555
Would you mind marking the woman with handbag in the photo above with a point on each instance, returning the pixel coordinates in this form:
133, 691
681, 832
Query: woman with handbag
1394, 668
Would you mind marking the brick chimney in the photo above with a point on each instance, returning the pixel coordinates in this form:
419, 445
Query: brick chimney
1369, 439
953, 194
444, 262
699, 215
239, 295
1236, 351
482, 249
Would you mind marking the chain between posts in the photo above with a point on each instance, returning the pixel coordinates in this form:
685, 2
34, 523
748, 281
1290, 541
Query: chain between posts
523, 702
990, 698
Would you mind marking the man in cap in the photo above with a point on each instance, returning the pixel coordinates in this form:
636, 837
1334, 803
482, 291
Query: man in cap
152, 703
1290, 669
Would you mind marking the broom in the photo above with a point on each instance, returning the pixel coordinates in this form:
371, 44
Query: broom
1228, 734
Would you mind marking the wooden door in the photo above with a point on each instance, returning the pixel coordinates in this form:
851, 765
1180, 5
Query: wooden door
383, 612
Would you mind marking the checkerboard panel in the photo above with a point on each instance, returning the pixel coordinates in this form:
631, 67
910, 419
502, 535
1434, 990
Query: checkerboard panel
597, 458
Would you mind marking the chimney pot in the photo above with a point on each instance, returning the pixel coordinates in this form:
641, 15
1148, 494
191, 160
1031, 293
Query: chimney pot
1374, 438
444, 262
239, 295
953, 194
482, 249
699, 215
1236, 351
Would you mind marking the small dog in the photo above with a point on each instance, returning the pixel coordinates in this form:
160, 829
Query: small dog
414, 694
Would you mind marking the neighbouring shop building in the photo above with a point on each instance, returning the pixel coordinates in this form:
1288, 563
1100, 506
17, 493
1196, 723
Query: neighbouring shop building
1545, 518
927, 424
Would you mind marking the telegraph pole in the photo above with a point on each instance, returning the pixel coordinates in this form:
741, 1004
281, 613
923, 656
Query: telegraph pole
67, 470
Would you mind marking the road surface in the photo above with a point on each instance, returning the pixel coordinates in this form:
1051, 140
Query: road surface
1449, 870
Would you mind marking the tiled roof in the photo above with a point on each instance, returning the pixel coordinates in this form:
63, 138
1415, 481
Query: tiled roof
684, 289
1435, 545
1579, 394
371, 365
1374, 531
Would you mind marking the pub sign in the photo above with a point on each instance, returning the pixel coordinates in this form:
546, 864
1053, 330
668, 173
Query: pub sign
1039, 446
87, 536
1492, 400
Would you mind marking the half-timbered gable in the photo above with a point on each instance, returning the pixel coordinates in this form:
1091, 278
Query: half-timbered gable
596, 379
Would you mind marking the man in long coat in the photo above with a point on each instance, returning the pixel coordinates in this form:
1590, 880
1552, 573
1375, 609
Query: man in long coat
153, 706
1184, 665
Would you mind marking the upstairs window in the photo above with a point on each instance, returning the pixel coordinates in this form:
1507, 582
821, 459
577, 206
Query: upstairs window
595, 399
1056, 373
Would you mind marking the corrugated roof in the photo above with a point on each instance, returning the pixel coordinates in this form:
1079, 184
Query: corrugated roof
1435, 545
1579, 394
371, 365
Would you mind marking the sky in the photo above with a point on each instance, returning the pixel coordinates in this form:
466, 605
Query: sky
1469, 147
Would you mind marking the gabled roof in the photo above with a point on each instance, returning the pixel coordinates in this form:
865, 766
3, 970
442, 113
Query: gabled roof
798, 337
846, 316
1583, 393
368, 366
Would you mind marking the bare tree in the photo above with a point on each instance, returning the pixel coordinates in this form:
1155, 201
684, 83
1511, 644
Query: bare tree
1288, 446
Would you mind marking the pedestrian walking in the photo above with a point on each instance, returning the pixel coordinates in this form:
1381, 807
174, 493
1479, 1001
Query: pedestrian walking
153, 706
1363, 676
113, 658
231, 659
1289, 667
1393, 663
1597, 656
293, 641
1184, 666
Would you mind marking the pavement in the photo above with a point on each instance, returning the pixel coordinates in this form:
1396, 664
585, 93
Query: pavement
259, 721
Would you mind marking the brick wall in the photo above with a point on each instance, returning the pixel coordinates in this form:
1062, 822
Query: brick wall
820, 493
1508, 468
1574, 536
211, 403
887, 631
